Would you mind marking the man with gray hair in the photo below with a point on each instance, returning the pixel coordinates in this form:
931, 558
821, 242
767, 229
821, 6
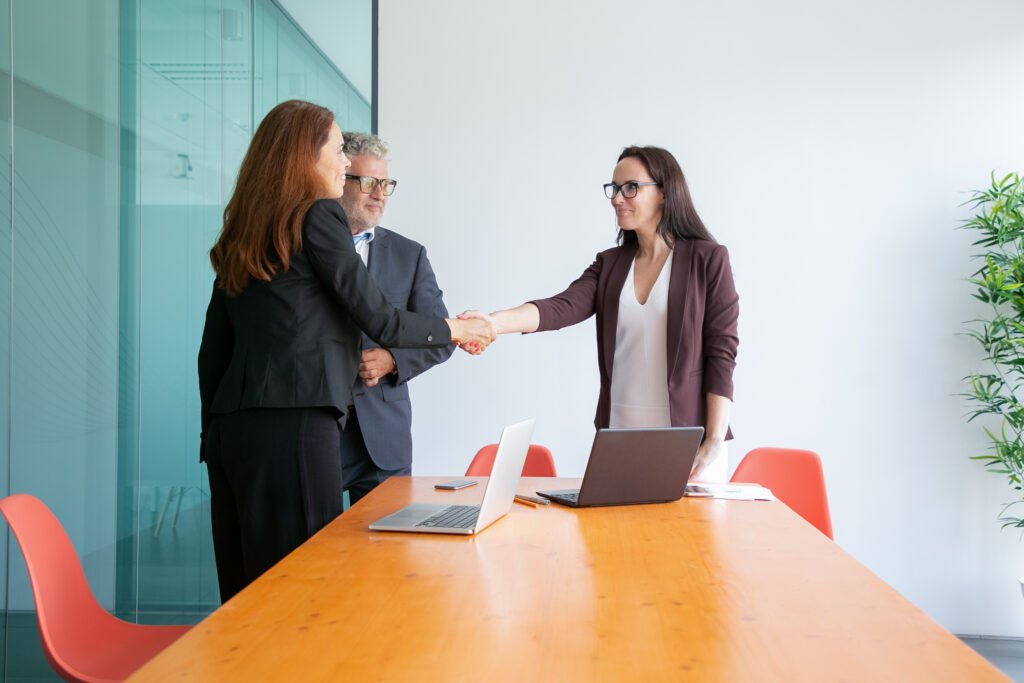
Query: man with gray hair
377, 440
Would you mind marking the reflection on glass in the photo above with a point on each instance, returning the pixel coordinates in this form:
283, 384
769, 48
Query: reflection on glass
288, 66
62, 287
130, 119
200, 94
5, 282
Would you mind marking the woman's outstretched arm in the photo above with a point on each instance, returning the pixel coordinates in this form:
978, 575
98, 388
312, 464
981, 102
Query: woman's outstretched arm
525, 318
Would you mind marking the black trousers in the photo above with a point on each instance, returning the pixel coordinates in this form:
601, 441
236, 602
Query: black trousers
275, 480
360, 472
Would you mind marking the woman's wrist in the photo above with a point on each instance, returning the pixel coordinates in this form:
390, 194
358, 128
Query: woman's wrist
496, 322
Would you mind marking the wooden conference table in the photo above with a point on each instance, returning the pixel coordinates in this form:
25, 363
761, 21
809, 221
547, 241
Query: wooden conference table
702, 590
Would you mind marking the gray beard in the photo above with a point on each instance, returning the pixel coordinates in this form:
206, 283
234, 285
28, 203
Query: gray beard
358, 224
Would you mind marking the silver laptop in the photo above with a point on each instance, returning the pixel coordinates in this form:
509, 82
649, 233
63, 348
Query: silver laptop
471, 519
633, 466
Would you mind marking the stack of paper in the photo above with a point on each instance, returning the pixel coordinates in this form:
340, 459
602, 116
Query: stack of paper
728, 491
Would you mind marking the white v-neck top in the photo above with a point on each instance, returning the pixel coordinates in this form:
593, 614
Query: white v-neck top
639, 392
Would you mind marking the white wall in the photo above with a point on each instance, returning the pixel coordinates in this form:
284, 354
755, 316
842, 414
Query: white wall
827, 144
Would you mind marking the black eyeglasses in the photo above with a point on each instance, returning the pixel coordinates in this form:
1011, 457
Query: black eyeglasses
628, 190
367, 184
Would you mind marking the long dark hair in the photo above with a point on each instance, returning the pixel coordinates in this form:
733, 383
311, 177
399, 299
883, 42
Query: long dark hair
679, 219
277, 184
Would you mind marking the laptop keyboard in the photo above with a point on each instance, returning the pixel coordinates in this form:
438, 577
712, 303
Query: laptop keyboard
574, 496
453, 517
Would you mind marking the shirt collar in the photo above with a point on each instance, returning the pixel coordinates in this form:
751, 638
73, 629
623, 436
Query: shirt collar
365, 236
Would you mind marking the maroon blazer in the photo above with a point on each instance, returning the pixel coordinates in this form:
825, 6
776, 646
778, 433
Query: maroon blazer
702, 311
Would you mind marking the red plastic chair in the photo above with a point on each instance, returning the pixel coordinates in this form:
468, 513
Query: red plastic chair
81, 640
795, 477
539, 462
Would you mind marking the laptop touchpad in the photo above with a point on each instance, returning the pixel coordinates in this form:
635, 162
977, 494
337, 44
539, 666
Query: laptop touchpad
415, 512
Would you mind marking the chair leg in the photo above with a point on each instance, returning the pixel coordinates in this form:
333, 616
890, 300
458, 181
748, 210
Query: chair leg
163, 511
177, 507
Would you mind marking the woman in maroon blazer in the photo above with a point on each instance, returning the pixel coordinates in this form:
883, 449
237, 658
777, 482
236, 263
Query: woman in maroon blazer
666, 308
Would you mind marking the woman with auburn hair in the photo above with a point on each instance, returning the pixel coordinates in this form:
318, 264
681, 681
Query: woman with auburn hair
666, 309
280, 348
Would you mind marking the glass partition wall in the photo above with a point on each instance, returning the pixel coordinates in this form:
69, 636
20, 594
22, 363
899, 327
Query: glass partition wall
123, 127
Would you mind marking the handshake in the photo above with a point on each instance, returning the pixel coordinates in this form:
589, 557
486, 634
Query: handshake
473, 331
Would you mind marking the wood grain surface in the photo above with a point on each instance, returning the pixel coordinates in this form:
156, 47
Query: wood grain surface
702, 590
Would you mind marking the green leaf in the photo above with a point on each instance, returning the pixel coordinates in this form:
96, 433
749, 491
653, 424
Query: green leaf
997, 281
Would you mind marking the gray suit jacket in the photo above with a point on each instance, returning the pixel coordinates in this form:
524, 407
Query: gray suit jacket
402, 271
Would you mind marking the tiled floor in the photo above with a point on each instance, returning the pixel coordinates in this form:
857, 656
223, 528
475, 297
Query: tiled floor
1007, 654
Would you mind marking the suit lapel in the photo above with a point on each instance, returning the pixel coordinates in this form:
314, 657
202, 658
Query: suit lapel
379, 252
678, 278
377, 265
617, 272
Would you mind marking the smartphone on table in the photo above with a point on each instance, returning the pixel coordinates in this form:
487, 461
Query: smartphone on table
456, 484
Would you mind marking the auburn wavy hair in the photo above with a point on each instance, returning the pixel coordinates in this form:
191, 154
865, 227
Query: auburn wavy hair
276, 186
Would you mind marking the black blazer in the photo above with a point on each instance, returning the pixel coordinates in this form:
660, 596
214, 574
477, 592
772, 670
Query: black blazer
293, 342
402, 270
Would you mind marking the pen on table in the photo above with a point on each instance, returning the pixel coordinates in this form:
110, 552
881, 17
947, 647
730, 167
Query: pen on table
523, 501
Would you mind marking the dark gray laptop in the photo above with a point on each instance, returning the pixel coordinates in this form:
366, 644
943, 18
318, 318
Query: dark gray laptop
499, 492
633, 466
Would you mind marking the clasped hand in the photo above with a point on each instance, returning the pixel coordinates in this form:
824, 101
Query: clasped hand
375, 363
481, 331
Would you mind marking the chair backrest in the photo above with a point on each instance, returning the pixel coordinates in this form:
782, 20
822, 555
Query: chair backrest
539, 462
67, 611
795, 477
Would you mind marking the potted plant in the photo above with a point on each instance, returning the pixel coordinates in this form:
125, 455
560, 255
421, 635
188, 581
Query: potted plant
997, 391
